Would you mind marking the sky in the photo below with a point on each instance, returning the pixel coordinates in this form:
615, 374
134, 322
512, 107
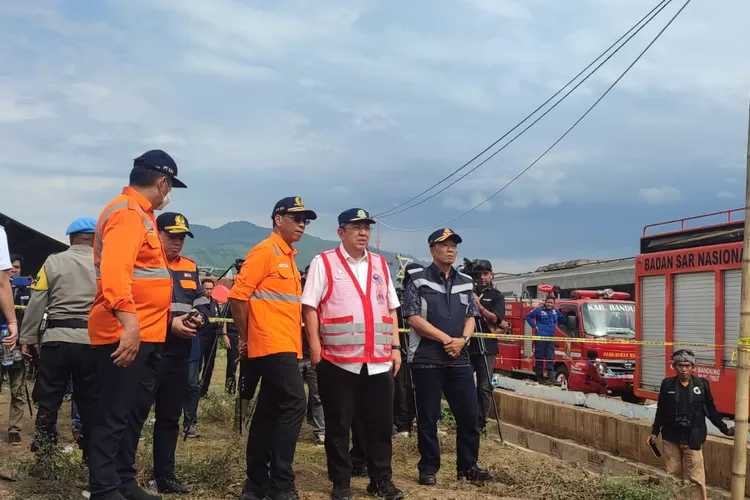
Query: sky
366, 103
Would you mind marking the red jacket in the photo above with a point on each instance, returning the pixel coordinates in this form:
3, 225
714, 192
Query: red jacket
584, 377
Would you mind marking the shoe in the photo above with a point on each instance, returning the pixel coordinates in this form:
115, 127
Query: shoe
400, 434
427, 479
341, 492
248, 493
115, 495
192, 432
283, 495
320, 439
385, 489
171, 485
86, 494
137, 493
475, 475
359, 471
14, 438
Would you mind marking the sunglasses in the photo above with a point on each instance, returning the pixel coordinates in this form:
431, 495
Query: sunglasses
298, 219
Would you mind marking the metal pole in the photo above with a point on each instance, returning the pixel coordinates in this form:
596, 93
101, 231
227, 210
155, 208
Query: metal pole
739, 456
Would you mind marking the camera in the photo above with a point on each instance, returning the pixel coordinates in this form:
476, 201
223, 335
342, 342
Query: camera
475, 268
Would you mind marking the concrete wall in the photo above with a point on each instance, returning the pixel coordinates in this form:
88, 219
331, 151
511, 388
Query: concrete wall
615, 434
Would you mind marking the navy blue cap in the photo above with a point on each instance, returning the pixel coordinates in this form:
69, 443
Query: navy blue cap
442, 235
293, 205
82, 225
173, 223
355, 215
158, 160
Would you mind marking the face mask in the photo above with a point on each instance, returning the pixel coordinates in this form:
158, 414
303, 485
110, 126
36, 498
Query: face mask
164, 202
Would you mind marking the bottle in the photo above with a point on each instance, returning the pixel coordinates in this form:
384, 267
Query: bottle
7, 355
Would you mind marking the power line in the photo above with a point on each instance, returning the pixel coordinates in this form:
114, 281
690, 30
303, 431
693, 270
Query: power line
565, 134
661, 5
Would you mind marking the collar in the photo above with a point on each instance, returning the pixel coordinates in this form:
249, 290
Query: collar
81, 248
350, 258
283, 245
142, 201
489, 287
438, 272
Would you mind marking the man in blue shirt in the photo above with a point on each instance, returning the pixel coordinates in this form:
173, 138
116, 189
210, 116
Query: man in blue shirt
543, 321
440, 309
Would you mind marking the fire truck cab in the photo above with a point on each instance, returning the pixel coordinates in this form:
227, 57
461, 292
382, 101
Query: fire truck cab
688, 290
591, 314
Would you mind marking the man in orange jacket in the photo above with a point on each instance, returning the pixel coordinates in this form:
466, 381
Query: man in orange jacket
267, 312
128, 322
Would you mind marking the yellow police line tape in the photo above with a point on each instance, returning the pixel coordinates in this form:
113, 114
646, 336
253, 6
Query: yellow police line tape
743, 342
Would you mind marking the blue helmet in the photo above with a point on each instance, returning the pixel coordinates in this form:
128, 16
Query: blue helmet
82, 225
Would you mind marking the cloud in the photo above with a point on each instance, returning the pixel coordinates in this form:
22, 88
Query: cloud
659, 195
364, 103
725, 194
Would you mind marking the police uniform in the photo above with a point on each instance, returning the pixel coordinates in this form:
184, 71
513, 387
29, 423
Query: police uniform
63, 292
439, 304
172, 374
483, 352
350, 305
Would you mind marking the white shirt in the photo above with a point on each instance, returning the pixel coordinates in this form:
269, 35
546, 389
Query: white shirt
315, 288
5, 262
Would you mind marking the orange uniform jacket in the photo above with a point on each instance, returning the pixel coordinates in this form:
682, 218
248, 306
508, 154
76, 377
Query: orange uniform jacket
271, 284
131, 271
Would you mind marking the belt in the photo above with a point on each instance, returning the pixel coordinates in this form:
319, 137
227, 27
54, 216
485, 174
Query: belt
68, 323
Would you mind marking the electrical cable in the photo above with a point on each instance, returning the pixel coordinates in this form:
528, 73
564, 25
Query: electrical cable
565, 134
660, 6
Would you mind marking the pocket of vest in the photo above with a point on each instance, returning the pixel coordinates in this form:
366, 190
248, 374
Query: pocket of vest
188, 284
337, 321
464, 298
153, 241
285, 272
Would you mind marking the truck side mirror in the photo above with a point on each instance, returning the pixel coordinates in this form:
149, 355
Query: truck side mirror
571, 322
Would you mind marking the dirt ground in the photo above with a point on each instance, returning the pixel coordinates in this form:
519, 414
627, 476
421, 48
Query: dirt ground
213, 464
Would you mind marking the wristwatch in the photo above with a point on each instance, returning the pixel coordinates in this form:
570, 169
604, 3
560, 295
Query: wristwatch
466, 339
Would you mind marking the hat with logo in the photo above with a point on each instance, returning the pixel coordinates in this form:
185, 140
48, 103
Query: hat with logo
355, 215
293, 205
482, 265
173, 223
82, 225
442, 235
158, 160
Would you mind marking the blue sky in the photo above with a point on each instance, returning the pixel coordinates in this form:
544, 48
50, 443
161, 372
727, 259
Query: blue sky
367, 102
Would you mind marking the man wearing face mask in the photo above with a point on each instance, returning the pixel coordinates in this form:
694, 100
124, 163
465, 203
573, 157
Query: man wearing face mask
128, 322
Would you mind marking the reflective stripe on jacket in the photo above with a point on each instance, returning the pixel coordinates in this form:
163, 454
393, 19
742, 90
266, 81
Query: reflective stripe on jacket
270, 282
187, 294
354, 328
131, 271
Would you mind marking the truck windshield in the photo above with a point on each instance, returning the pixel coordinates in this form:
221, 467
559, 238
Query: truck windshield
610, 319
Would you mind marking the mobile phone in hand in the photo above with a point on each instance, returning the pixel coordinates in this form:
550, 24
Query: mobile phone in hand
654, 449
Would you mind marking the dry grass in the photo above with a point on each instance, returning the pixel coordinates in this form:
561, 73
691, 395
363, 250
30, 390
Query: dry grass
214, 465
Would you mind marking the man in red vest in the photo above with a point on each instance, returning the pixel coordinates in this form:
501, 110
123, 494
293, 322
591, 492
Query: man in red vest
349, 306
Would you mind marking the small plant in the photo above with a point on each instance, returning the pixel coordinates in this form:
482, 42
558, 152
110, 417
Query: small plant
635, 488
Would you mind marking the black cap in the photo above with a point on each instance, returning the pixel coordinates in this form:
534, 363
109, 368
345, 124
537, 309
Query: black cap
173, 223
292, 205
158, 160
482, 264
442, 235
355, 215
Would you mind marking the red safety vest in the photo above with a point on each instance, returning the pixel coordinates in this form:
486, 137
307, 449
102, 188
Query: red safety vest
355, 324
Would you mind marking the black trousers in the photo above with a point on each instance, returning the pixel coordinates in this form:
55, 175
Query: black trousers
479, 363
61, 361
233, 357
276, 424
171, 387
403, 400
358, 452
457, 383
125, 397
208, 356
369, 396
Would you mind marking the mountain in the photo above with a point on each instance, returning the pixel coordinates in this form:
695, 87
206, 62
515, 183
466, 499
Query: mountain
219, 247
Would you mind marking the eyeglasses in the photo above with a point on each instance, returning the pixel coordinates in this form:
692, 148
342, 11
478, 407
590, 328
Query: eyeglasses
298, 219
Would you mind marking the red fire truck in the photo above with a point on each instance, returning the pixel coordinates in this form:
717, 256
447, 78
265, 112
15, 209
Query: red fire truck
688, 290
591, 314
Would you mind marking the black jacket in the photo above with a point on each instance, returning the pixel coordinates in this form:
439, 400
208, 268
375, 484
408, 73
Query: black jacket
670, 412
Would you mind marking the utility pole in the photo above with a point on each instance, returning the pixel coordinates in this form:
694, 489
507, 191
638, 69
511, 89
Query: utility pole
377, 238
739, 456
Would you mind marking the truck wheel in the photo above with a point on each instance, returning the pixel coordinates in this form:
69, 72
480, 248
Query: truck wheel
560, 372
629, 397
